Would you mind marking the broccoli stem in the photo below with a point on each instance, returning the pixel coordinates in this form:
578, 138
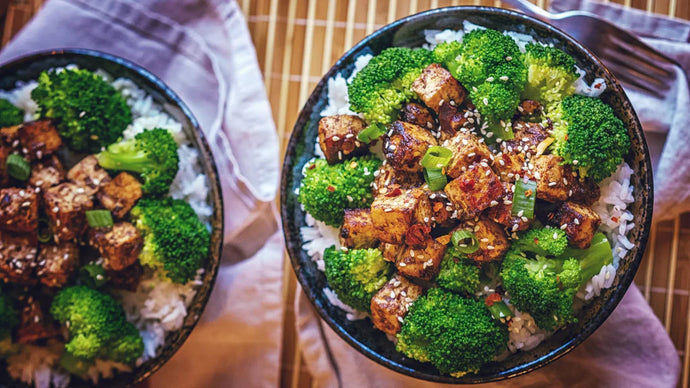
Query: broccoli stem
593, 258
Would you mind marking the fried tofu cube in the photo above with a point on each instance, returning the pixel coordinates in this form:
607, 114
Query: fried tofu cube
394, 215
338, 137
528, 136
126, 279
585, 191
10, 135
35, 323
390, 304
475, 189
5, 177
358, 230
508, 165
492, 239
66, 205
120, 194
502, 213
405, 145
467, 150
390, 251
46, 173
443, 213
554, 180
387, 179
39, 138
18, 210
57, 263
89, 175
437, 86
120, 245
451, 120
417, 114
421, 263
18, 254
581, 222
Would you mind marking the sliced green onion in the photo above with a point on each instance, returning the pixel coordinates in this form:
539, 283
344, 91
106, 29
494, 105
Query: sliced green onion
18, 167
99, 218
45, 233
93, 275
464, 241
435, 178
523, 198
500, 310
370, 133
436, 157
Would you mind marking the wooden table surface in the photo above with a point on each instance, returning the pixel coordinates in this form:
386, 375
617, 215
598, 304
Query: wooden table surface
298, 40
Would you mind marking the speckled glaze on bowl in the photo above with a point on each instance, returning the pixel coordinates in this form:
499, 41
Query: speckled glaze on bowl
28, 68
408, 32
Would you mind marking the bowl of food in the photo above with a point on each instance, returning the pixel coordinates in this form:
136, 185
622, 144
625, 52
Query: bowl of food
466, 195
111, 221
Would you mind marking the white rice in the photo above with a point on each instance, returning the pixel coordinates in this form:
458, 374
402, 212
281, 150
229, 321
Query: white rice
158, 307
616, 195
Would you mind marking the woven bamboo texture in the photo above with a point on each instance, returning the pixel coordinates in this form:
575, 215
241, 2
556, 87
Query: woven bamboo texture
297, 41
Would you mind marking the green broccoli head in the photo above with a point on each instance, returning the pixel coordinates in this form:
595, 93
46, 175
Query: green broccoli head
152, 154
571, 274
355, 275
589, 135
9, 317
383, 85
174, 238
327, 190
447, 54
456, 334
544, 241
9, 114
89, 112
97, 328
551, 75
458, 274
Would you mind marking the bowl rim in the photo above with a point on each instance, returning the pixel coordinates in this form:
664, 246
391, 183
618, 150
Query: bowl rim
153, 365
294, 249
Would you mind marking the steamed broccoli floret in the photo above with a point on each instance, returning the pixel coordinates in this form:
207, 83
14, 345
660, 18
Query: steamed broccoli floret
9, 114
90, 113
542, 278
550, 74
458, 274
9, 317
383, 85
174, 238
355, 275
97, 326
589, 136
327, 190
152, 154
543, 241
456, 334
446, 53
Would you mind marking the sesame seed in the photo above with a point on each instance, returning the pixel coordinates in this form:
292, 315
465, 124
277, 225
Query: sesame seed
387, 210
485, 101
564, 226
452, 103
552, 184
488, 172
56, 209
411, 253
474, 89
392, 294
490, 247
524, 219
401, 264
509, 59
400, 319
440, 103
555, 235
504, 78
576, 221
575, 161
490, 79
493, 203
520, 213
471, 155
335, 138
507, 202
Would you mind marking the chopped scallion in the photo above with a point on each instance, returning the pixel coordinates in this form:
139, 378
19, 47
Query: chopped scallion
436, 157
371, 133
435, 178
99, 218
464, 241
18, 167
524, 198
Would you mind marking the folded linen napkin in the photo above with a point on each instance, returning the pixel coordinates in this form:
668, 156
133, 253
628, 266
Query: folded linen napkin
203, 51
631, 349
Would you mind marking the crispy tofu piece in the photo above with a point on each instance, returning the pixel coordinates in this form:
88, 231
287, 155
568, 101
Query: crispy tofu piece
529, 107
436, 86
421, 262
387, 179
57, 263
390, 304
443, 212
39, 138
584, 191
394, 215
35, 323
120, 245
508, 165
126, 279
527, 137
89, 175
120, 194
18, 253
338, 137
554, 181
467, 150
493, 242
46, 173
390, 251
475, 189
18, 210
502, 213
451, 120
358, 230
66, 205
5, 177
581, 222
405, 145
417, 114
10, 135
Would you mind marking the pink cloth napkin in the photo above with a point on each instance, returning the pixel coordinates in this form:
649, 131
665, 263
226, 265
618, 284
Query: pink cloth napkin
203, 51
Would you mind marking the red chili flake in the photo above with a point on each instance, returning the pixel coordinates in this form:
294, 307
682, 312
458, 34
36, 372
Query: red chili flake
330, 188
438, 206
528, 192
392, 193
312, 166
566, 137
493, 298
536, 241
614, 219
467, 184
417, 234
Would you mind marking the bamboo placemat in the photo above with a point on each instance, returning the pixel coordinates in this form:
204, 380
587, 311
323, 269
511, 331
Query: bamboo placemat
296, 43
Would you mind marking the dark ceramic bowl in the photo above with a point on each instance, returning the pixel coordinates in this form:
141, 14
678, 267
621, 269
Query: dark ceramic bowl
408, 32
28, 68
